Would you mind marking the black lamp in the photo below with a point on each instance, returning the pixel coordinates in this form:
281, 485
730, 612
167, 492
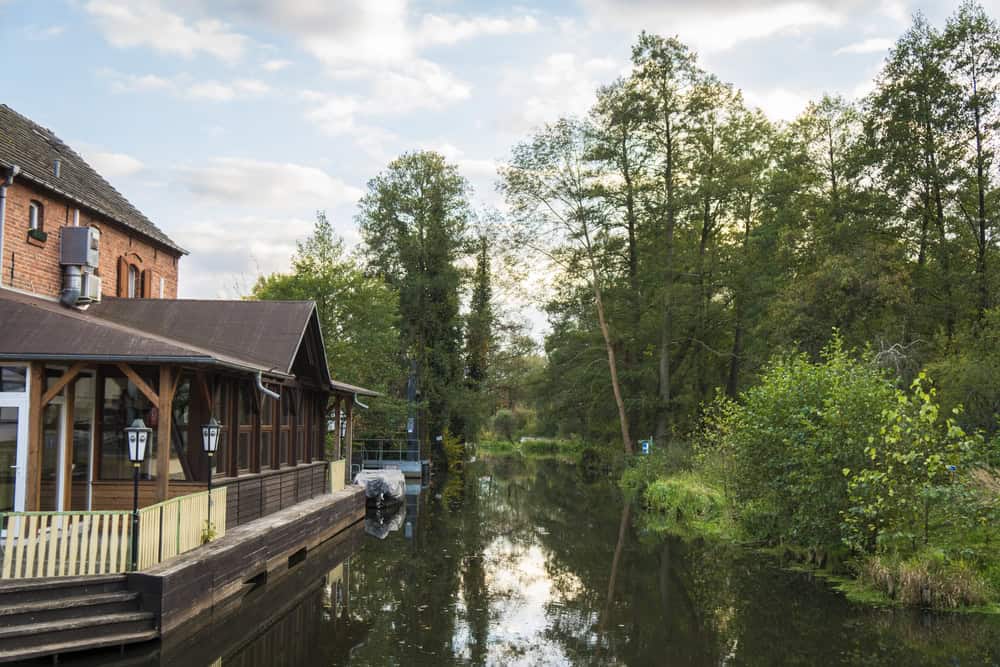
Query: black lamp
210, 443
137, 439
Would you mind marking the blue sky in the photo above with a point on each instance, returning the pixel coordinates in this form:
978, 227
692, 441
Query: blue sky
229, 122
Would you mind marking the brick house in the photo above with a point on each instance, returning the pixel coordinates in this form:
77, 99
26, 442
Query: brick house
93, 336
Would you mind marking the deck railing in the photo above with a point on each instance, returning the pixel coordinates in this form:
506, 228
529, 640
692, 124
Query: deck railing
175, 526
61, 544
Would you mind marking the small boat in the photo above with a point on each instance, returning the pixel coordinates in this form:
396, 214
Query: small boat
382, 487
379, 524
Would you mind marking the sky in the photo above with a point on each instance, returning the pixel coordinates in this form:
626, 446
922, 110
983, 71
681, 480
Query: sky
231, 122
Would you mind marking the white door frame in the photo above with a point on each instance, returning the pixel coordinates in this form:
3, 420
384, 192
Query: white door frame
19, 401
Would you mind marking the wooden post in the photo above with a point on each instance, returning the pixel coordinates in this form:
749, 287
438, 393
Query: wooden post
350, 436
337, 440
33, 472
68, 423
165, 417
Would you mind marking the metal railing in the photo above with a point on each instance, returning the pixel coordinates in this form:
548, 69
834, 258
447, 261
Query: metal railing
384, 449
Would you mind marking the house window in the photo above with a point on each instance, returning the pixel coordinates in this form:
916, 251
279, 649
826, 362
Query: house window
36, 215
244, 435
285, 428
266, 431
133, 282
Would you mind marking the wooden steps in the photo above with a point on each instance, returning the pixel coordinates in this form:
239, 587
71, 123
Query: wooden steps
40, 617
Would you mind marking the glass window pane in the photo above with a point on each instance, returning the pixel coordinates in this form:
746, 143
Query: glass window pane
179, 431
13, 378
266, 411
51, 417
283, 448
8, 457
123, 403
265, 449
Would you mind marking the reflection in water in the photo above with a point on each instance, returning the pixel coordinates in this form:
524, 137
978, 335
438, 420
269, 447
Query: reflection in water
531, 563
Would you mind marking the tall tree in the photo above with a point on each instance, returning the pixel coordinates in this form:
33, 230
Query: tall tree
414, 221
664, 72
549, 186
971, 42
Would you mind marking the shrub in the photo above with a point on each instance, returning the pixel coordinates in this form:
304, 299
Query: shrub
913, 477
506, 424
781, 449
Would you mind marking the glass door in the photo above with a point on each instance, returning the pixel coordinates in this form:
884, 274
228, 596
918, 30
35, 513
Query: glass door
13, 446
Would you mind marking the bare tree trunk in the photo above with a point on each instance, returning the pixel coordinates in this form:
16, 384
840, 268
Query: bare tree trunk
612, 366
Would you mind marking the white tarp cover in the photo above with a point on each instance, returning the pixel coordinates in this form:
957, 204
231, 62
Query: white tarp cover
387, 482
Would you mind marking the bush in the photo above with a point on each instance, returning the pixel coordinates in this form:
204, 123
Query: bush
913, 477
781, 449
506, 424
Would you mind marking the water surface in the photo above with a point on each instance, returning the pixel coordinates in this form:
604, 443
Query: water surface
538, 562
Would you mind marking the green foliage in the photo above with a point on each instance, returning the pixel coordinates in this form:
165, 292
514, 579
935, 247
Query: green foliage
685, 504
912, 479
506, 424
414, 221
784, 446
357, 315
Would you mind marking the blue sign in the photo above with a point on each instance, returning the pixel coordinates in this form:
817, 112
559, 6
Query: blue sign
646, 445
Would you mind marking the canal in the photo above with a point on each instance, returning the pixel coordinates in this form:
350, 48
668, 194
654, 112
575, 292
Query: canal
537, 562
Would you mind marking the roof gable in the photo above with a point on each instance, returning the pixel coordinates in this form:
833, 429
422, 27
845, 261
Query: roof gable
34, 148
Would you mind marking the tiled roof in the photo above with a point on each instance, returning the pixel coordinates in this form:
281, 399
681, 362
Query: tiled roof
34, 148
252, 336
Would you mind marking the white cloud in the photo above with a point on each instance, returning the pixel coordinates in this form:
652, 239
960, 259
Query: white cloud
226, 92
133, 23
247, 182
275, 65
780, 103
717, 25
451, 29
110, 165
184, 85
562, 84
873, 45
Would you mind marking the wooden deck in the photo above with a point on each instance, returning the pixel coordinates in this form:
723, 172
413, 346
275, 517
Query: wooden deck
210, 577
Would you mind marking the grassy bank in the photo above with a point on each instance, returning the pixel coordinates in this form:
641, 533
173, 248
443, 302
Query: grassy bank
690, 504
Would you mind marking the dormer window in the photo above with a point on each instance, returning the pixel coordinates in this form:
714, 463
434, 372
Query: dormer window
36, 216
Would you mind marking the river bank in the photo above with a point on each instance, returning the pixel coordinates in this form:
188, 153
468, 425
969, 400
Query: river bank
691, 505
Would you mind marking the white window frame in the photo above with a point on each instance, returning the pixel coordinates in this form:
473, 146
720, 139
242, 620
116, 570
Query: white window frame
133, 281
35, 217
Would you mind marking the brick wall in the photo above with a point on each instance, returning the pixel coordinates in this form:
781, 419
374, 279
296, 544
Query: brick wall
36, 265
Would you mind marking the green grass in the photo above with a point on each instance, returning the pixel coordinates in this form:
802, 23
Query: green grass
685, 504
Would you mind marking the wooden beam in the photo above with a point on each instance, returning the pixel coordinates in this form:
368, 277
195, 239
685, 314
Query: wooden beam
176, 383
140, 383
33, 471
63, 380
165, 407
68, 423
